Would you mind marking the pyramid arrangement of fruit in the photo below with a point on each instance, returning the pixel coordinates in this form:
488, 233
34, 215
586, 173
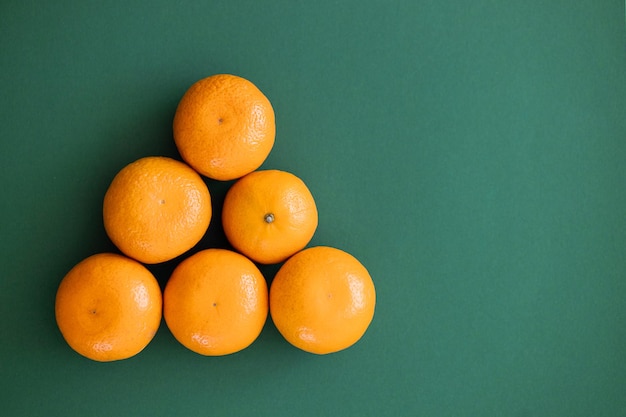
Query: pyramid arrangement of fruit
109, 306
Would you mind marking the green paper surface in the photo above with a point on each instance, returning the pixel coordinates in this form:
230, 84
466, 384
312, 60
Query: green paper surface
470, 154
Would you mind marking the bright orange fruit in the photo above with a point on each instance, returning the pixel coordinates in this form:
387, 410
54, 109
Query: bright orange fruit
216, 302
322, 300
269, 215
108, 307
224, 127
156, 208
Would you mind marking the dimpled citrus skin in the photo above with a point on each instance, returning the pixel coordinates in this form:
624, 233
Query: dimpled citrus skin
322, 300
269, 215
108, 307
216, 302
224, 127
156, 208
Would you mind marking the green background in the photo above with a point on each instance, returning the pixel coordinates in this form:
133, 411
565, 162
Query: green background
470, 154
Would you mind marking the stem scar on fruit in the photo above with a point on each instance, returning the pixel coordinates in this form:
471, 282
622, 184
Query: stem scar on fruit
269, 218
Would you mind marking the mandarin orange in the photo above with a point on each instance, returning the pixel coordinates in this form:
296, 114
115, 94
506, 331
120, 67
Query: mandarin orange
269, 215
322, 300
108, 307
156, 208
224, 127
216, 302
